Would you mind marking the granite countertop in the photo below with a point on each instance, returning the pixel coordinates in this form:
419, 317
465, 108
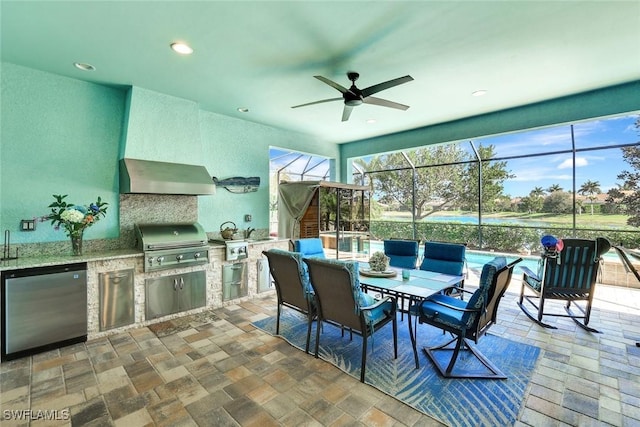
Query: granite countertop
49, 260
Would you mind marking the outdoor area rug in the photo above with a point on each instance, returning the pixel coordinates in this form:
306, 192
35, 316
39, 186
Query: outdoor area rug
455, 402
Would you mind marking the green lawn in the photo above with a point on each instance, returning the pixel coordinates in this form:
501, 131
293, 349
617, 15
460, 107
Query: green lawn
585, 220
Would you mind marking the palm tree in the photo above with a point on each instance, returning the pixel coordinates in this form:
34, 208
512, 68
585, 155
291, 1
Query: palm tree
590, 189
537, 192
553, 188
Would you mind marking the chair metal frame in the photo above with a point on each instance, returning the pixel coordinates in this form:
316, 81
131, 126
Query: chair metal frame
484, 318
286, 269
569, 275
333, 285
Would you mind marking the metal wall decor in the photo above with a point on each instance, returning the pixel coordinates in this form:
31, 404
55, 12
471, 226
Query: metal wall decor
238, 184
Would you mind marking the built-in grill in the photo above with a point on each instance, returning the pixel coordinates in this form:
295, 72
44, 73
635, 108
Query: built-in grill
172, 245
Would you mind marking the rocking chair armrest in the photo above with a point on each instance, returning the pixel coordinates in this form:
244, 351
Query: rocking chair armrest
527, 271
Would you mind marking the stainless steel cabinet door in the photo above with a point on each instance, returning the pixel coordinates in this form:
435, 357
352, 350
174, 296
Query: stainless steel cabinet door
173, 294
160, 298
116, 299
192, 290
234, 281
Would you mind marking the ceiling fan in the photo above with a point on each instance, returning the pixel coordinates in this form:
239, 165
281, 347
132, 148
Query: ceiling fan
353, 96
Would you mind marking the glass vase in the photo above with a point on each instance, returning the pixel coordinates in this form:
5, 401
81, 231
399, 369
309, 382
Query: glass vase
76, 243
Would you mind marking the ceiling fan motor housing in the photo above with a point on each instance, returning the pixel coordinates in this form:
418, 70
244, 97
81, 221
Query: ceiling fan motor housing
353, 96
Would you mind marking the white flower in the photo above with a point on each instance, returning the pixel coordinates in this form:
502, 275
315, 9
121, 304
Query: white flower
378, 261
72, 215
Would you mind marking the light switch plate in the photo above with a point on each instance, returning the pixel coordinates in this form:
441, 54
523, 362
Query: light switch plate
247, 218
28, 225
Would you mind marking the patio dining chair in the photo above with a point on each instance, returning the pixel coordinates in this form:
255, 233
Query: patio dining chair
309, 247
342, 303
445, 258
568, 275
401, 253
292, 286
466, 320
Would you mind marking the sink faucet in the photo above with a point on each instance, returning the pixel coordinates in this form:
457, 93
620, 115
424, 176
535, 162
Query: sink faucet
248, 232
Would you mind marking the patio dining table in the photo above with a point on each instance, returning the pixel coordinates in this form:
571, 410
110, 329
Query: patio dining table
420, 285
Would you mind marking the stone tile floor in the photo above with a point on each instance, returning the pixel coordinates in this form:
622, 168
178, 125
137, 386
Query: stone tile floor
215, 369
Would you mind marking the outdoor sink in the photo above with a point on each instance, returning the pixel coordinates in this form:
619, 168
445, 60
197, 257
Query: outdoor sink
260, 239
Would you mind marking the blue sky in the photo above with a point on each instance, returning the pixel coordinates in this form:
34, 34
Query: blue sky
601, 166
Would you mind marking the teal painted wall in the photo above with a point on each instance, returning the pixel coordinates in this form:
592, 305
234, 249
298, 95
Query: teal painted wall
233, 147
600, 103
62, 135
58, 136
162, 128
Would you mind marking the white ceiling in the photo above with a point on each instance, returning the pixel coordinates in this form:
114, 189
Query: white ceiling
263, 55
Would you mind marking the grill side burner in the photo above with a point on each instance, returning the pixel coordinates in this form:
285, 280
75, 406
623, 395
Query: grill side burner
235, 249
168, 246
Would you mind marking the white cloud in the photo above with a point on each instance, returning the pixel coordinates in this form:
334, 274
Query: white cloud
580, 162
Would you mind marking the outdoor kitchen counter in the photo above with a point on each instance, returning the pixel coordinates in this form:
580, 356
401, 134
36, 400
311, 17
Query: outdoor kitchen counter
51, 260
107, 261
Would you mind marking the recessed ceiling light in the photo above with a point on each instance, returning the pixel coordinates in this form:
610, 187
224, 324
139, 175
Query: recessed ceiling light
182, 48
84, 66
479, 92
243, 109
371, 121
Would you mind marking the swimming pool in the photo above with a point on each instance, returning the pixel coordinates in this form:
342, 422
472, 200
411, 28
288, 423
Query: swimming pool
475, 259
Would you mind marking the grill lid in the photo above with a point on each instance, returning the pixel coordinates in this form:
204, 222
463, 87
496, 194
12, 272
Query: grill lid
152, 237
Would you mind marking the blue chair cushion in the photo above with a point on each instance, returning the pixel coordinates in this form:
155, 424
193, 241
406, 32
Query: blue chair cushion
454, 268
446, 258
311, 247
378, 313
402, 261
457, 318
444, 251
441, 314
401, 253
479, 298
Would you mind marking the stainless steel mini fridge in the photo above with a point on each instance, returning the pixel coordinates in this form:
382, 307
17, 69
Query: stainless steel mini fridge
43, 308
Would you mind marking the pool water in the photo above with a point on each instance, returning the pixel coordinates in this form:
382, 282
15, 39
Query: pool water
475, 259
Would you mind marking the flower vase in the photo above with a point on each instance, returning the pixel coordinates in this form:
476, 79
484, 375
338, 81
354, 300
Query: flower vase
76, 243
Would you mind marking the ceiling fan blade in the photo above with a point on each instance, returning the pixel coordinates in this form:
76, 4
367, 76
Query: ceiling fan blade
346, 112
333, 84
384, 103
318, 102
385, 85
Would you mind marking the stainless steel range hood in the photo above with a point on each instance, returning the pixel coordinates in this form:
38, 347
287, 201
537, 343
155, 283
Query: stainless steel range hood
151, 177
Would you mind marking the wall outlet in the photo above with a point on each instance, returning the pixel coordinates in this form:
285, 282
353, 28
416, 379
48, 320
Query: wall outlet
28, 225
247, 218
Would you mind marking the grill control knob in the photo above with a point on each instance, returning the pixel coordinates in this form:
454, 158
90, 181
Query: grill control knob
179, 257
196, 255
150, 261
160, 259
